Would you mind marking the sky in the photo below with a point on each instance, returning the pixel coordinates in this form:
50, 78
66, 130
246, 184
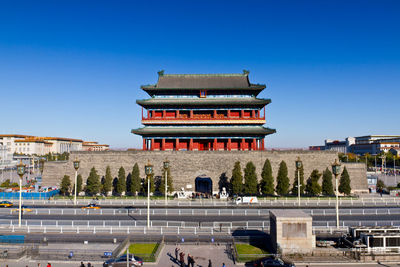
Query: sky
74, 68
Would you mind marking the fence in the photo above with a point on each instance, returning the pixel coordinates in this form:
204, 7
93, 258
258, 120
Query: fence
29, 195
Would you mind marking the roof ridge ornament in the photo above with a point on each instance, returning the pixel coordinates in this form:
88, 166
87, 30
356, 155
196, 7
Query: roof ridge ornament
161, 73
246, 72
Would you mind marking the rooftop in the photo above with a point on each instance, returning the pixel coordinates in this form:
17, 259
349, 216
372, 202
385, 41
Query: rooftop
288, 213
203, 81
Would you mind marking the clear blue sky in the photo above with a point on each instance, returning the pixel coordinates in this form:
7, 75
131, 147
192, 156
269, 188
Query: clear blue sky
74, 68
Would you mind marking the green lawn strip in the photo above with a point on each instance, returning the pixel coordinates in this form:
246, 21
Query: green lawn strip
146, 251
248, 252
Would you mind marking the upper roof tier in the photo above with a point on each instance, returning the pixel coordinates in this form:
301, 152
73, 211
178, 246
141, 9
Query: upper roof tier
174, 82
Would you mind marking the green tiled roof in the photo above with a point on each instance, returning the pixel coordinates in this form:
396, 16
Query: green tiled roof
203, 102
204, 131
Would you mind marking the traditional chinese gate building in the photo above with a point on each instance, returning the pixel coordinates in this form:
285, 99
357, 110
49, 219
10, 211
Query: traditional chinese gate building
203, 112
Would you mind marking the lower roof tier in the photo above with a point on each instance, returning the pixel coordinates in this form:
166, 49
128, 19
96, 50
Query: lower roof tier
204, 131
203, 102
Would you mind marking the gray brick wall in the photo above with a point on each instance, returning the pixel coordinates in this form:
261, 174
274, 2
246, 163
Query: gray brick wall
187, 165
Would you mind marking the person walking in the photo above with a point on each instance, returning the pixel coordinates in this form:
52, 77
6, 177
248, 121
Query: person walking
176, 253
182, 259
209, 263
48, 264
223, 264
89, 264
82, 265
192, 260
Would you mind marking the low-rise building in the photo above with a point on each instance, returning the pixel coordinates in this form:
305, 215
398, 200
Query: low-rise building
94, 146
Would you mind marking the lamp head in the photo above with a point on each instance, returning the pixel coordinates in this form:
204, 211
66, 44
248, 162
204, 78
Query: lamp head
21, 169
298, 163
148, 168
166, 164
336, 168
76, 164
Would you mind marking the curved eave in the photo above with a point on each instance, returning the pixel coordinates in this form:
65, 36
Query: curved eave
202, 131
202, 102
151, 90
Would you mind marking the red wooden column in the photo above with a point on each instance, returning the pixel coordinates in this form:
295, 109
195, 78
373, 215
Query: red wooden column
163, 144
254, 145
242, 144
229, 113
177, 144
242, 113
177, 114
215, 144
191, 114
262, 144
164, 113
191, 144
229, 145
215, 114
152, 143
253, 113
144, 144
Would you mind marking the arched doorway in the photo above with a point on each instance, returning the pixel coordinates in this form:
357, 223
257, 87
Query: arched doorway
203, 184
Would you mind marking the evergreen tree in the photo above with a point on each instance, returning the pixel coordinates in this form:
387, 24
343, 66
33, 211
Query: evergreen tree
79, 182
237, 179
380, 185
327, 187
250, 179
344, 183
296, 174
93, 182
267, 180
282, 186
65, 185
121, 185
107, 186
169, 182
135, 180
313, 188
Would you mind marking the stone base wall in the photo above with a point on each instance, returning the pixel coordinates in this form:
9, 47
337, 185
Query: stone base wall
187, 165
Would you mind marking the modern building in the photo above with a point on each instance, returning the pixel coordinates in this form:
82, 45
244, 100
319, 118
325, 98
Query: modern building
372, 144
94, 146
37, 145
203, 112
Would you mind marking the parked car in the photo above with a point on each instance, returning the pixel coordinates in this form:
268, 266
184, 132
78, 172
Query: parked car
5, 204
121, 261
272, 262
91, 206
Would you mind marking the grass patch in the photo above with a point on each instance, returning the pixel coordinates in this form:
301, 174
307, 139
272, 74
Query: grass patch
146, 251
248, 252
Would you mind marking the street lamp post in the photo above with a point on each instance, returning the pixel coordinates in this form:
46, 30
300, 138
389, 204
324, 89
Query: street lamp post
383, 157
21, 172
76, 167
336, 171
148, 168
166, 166
298, 167
41, 166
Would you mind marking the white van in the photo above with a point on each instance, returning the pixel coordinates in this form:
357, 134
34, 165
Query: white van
246, 200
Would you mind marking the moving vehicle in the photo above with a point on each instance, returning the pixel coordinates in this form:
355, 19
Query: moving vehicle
121, 261
24, 209
5, 204
246, 200
272, 262
92, 207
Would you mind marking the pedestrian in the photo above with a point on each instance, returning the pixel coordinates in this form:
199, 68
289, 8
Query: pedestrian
176, 253
89, 264
189, 259
182, 259
192, 260
209, 263
82, 265
48, 264
223, 264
